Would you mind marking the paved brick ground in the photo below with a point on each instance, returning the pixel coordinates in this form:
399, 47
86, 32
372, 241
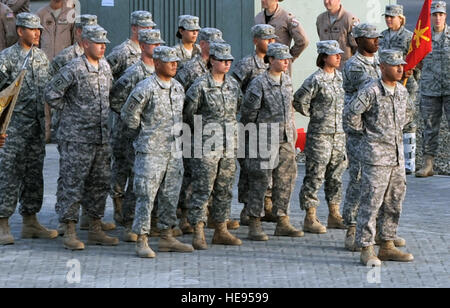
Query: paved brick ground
312, 261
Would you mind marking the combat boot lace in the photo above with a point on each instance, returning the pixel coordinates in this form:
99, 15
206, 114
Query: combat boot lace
312, 223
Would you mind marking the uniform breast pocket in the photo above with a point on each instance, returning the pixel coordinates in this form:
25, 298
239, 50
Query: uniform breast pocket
213, 100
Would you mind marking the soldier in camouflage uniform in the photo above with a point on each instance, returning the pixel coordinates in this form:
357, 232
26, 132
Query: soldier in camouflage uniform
399, 38
193, 69
321, 97
122, 137
379, 113
121, 58
215, 98
268, 103
435, 87
22, 158
244, 72
80, 90
155, 107
188, 28
358, 71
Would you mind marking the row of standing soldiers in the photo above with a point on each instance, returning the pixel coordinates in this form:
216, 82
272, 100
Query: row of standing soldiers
148, 106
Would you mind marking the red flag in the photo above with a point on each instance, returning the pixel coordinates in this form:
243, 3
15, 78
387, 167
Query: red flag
421, 43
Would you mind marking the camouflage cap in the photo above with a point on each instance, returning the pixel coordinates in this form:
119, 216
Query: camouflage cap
165, 54
220, 51
142, 19
211, 35
86, 20
189, 22
329, 47
264, 31
391, 57
365, 30
393, 10
150, 36
438, 7
279, 51
95, 34
28, 20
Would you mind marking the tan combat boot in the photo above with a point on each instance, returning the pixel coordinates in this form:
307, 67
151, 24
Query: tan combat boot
70, 240
335, 220
232, 224
128, 235
96, 236
388, 252
184, 225
177, 232
168, 243
143, 250
284, 228
427, 168
84, 223
31, 228
350, 238
312, 223
398, 242
369, 257
255, 231
223, 237
199, 241
154, 230
118, 216
61, 229
6, 237
268, 216
244, 218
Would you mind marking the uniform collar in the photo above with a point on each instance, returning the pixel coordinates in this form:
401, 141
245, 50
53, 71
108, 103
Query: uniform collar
273, 82
135, 49
340, 13
258, 61
444, 33
147, 69
363, 59
213, 84
163, 85
90, 67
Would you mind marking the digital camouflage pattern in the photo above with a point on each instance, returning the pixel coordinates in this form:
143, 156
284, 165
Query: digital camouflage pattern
191, 70
184, 55
123, 56
435, 91
213, 174
268, 101
247, 69
64, 57
81, 93
22, 157
156, 108
380, 117
122, 138
357, 73
321, 98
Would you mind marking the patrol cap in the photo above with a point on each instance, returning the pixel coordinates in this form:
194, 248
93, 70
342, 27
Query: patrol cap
165, 54
150, 36
187, 22
85, 20
278, 51
264, 31
330, 47
365, 30
95, 34
393, 10
221, 51
28, 20
211, 35
392, 57
438, 7
142, 19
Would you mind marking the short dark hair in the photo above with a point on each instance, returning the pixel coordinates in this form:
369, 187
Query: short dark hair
178, 32
320, 62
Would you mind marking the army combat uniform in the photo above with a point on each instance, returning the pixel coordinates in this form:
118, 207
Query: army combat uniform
244, 72
401, 40
122, 136
321, 97
358, 72
435, 86
81, 92
190, 23
379, 114
213, 173
156, 107
22, 157
121, 58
